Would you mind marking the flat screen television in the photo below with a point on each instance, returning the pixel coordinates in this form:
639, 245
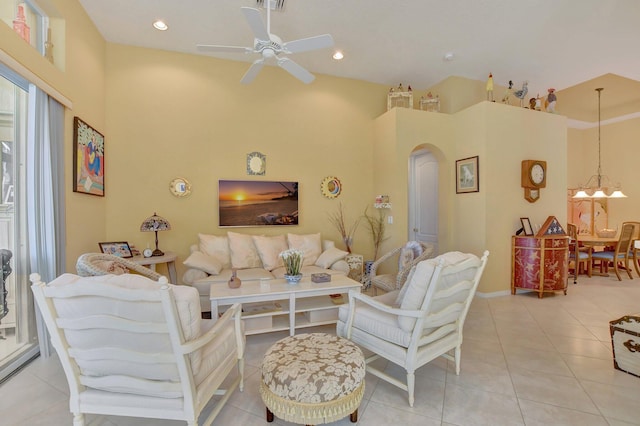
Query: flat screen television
257, 203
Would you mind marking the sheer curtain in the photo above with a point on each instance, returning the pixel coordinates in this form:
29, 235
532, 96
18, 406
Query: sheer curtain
45, 195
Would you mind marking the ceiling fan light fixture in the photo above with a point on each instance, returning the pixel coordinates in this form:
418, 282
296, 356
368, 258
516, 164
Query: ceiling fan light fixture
160, 25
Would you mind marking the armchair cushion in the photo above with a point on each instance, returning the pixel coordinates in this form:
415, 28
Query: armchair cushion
375, 322
187, 305
421, 277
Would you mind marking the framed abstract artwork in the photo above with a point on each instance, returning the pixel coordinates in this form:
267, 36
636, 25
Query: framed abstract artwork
88, 159
467, 176
257, 203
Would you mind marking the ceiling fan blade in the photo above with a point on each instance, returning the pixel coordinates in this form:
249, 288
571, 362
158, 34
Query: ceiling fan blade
306, 44
229, 49
296, 70
254, 18
253, 71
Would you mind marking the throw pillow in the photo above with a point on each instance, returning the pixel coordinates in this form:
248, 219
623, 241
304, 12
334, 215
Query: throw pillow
204, 262
310, 244
243, 251
216, 246
330, 256
269, 249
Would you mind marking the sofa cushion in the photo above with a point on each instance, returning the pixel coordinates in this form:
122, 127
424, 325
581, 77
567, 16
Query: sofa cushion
204, 262
330, 256
310, 244
217, 247
243, 251
269, 249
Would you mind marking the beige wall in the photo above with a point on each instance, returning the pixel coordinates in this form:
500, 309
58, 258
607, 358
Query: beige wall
83, 83
174, 115
502, 136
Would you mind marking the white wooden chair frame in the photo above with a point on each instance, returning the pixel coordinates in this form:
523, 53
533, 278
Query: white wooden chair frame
194, 396
447, 323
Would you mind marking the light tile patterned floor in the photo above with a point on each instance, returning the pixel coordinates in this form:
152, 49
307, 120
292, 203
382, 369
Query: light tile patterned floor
525, 361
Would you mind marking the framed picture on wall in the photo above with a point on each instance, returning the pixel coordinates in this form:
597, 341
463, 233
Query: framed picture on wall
257, 203
88, 159
118, 248
467, 176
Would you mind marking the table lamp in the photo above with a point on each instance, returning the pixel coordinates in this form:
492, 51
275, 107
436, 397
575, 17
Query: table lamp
155, 223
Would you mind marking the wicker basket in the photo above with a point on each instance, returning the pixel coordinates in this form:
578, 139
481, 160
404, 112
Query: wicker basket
606, 233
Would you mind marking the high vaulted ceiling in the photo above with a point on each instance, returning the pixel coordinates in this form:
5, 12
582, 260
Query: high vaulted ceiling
549, 43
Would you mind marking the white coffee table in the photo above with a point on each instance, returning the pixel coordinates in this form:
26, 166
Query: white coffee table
305, 296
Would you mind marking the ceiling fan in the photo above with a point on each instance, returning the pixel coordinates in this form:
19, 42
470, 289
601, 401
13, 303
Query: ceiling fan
271, 48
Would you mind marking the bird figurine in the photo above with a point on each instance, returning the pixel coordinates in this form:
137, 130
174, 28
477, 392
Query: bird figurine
507, 93
520, 94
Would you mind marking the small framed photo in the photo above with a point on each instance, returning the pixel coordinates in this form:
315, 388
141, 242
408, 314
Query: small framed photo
467, 176
119, 248
526, 225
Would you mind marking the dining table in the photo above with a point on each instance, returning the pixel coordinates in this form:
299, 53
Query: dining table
596, 241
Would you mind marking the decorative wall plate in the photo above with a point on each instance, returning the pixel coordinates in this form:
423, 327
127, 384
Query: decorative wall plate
180, 187
256, 163
331, 187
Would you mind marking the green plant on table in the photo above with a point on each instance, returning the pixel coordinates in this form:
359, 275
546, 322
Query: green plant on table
292, 259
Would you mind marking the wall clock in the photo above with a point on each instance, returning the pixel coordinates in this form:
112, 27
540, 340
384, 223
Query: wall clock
534, 174
331, 187
256, 163
533, 177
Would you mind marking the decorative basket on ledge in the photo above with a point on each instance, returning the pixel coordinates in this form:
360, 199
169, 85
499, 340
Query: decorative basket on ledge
607, 233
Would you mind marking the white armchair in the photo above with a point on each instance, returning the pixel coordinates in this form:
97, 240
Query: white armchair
130, 346
418, 323
407, 256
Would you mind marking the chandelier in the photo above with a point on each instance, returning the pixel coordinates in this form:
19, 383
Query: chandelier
598, 183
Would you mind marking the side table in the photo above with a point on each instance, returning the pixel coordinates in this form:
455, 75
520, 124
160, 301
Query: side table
356, 265
169, 258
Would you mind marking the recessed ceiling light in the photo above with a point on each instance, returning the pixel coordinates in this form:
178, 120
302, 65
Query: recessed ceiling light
160, 25
448, 57
338, 55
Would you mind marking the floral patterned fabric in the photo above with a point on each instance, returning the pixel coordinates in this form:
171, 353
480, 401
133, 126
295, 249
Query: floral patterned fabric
313, 378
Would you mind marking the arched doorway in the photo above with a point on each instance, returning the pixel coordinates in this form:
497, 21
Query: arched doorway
423, 197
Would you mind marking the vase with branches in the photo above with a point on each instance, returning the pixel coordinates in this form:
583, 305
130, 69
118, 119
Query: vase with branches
339, 220
376, 223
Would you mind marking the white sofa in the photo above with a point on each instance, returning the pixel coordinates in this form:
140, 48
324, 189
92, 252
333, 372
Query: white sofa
256, 257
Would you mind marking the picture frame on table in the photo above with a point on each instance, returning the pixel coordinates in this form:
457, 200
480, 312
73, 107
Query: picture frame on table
467, 175
88, 159
116, 248
526, 225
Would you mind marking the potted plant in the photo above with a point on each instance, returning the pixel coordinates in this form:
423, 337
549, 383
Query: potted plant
338, 219
292, 260
376, 225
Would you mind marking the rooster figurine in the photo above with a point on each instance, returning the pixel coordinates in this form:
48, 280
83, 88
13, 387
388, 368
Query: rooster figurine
520, 94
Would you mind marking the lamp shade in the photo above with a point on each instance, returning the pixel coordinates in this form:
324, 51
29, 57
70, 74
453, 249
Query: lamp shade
155, 223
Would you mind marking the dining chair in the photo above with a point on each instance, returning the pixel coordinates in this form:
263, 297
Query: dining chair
634, 249
577, 254
621, 252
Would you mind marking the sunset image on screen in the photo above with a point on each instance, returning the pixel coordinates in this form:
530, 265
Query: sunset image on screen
257, 203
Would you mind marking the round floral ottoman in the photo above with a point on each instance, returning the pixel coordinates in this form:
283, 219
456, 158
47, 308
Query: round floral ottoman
312, 379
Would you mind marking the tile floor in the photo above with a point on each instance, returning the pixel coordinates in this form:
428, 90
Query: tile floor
525, 361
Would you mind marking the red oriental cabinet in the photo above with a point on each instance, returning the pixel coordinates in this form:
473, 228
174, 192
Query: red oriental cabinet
539, 263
